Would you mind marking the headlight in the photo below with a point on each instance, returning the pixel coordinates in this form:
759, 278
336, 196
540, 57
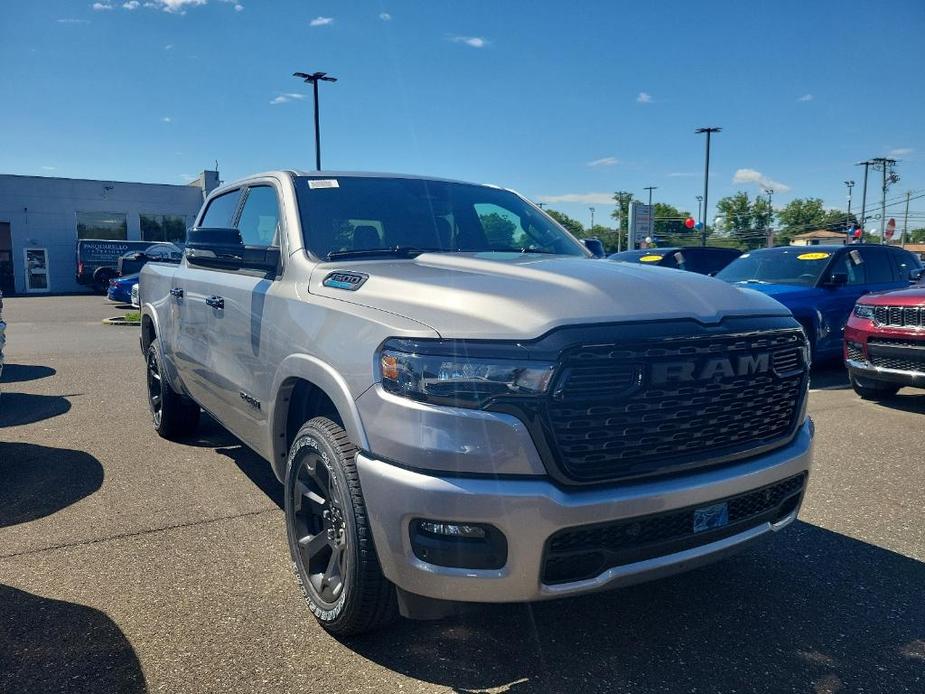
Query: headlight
444, 373
864, 311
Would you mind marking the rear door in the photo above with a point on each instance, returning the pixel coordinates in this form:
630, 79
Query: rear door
836, 302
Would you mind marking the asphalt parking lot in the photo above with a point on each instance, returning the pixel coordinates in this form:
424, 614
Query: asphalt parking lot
130, 564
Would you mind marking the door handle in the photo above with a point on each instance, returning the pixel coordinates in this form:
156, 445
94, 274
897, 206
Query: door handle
176, 292
216, 302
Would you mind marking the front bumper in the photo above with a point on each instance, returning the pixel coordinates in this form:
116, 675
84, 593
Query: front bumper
529, 511
865, 371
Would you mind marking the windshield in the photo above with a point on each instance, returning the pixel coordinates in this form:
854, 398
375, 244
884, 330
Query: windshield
799, 265
649, 256
357, 216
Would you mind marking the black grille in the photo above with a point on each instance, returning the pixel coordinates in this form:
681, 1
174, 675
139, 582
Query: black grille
898, 363
900, 316
893, 342
608, 420
855, 353
584, 552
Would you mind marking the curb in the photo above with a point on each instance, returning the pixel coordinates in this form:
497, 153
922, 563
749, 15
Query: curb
119, 320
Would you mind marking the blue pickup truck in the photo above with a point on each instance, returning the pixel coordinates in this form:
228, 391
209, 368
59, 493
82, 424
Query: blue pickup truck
820, 284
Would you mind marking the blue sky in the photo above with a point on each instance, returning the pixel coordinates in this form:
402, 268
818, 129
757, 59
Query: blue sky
564, 102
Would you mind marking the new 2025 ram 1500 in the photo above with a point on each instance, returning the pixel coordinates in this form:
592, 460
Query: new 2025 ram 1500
462, 404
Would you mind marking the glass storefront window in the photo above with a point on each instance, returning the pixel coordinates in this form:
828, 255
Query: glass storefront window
102, 225
163, 227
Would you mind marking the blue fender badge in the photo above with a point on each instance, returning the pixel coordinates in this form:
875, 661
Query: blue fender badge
351, 281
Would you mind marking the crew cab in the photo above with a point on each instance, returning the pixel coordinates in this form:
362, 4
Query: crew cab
821, 284
885, 343
462, 404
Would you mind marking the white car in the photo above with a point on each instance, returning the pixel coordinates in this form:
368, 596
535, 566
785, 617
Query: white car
135, 302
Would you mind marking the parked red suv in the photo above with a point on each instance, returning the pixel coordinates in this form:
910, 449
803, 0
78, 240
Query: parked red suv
885, 342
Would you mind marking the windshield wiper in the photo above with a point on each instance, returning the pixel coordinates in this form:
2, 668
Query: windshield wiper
394, 252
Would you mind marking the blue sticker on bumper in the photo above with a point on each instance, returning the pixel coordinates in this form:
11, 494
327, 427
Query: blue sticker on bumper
711, 517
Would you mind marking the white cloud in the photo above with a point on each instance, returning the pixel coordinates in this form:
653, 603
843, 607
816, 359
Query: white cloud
385, 16
586, 198
239, 8
177, 6
604, 161
131, 5
473, 41
286, 98
806, 97
759, 179
321, 21
100, 6
187, 177
72, 21
900, 152
644, 98
166, 119
168, 47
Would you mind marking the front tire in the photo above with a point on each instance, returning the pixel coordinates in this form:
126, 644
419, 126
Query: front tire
330, 540
873, 390
174, 416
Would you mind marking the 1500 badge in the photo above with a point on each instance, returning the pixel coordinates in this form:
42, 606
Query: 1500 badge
351, 281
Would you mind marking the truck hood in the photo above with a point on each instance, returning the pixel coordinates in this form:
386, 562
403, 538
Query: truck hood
911, 296
514, 296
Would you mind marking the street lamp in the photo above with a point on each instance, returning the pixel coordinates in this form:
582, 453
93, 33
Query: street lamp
866, 165
651, 213
699, 208
770, 192
850, 185
592, 218
706, 180
313, 80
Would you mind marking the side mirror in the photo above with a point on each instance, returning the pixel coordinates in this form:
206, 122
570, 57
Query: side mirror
838, 279
224, 249
595, 246
916, 274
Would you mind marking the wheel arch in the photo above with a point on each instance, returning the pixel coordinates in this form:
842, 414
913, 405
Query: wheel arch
305, 387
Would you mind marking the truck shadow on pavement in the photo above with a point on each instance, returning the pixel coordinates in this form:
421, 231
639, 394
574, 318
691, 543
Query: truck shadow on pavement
812, 610
54, 646
37, 481
17, 409
51, 645
19, 373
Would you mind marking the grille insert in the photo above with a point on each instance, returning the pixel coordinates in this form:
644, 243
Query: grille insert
584, 552
608, 420
900, 316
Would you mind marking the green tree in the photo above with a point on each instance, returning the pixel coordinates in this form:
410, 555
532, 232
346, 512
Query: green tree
802, 214
667, 217
611, 238
916, 235
735, 213
573, 225
499, 230
621, 212
837, 220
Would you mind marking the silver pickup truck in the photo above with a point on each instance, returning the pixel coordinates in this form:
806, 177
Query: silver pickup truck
462, 404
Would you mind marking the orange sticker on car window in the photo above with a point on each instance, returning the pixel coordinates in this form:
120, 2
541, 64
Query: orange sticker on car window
813, 256
650, 258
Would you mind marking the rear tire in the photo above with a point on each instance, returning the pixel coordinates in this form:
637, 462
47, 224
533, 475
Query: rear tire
174, 416
101, 281
330, 539
874, 390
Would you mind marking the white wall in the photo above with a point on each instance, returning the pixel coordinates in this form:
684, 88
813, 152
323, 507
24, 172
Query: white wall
42, 213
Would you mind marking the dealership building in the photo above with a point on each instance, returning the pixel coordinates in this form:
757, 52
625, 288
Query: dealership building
41, 219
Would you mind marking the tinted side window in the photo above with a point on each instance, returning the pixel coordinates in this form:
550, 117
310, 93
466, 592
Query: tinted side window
852, 264
905, 262
220, 212
877, 265
260, 217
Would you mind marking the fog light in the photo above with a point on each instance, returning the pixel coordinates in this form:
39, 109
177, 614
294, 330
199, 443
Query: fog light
451, 529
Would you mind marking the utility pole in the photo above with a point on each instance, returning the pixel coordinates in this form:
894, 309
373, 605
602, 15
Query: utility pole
850, 185
541, 205
699, 209
770, 192
885, 165
706, 181
313, 80
592, 219
906, 219
651, 212
866, 165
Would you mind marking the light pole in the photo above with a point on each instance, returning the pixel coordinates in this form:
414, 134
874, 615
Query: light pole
699, 208
592, 218
651, 213
541, 205
850, 185
706, 180
313, 79
770, 193
866, 165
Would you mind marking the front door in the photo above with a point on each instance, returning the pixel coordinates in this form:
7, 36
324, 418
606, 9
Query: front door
36, 261
7, 285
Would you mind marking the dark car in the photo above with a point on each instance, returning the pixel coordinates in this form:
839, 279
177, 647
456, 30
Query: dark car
131, 263
885, 342
820, 284
706, 260
120, 288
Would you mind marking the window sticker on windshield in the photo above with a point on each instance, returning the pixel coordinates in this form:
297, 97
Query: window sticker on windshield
650, 258
323, 183
856, 257
818, 255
